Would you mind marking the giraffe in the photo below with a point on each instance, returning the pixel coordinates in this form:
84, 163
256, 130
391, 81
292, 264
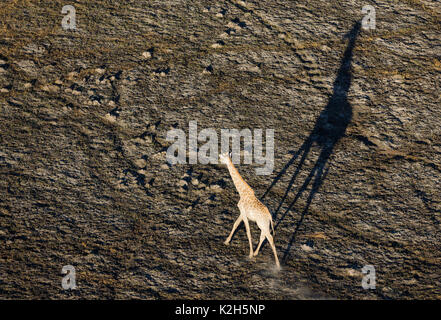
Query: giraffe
251, 209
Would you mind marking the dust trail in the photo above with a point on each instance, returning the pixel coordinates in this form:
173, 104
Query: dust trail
287, 284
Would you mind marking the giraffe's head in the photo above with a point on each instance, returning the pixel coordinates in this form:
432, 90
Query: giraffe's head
224, 157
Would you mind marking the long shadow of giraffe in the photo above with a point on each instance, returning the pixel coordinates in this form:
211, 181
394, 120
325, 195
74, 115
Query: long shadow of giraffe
329, 128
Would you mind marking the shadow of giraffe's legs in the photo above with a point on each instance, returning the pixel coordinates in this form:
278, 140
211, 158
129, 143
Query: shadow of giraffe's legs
283, 171
306, 149
320, 175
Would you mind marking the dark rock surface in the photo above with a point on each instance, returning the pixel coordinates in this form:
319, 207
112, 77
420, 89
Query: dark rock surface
84, 180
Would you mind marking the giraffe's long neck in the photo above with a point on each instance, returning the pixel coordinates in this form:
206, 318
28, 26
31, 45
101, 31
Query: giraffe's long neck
241, 186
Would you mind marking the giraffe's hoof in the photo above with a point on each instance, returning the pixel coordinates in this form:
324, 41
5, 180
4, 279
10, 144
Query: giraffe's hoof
226, 242
251, 256
255, 254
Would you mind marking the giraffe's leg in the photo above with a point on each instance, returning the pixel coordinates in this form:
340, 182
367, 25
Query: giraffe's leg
262, 237
247, 227
271, 241
236, 224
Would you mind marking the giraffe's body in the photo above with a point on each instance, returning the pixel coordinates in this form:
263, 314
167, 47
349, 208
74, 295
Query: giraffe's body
251, 209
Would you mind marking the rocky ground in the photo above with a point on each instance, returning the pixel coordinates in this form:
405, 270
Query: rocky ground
84, 180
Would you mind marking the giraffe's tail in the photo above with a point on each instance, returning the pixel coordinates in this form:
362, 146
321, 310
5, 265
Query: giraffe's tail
272, 225
271, 219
